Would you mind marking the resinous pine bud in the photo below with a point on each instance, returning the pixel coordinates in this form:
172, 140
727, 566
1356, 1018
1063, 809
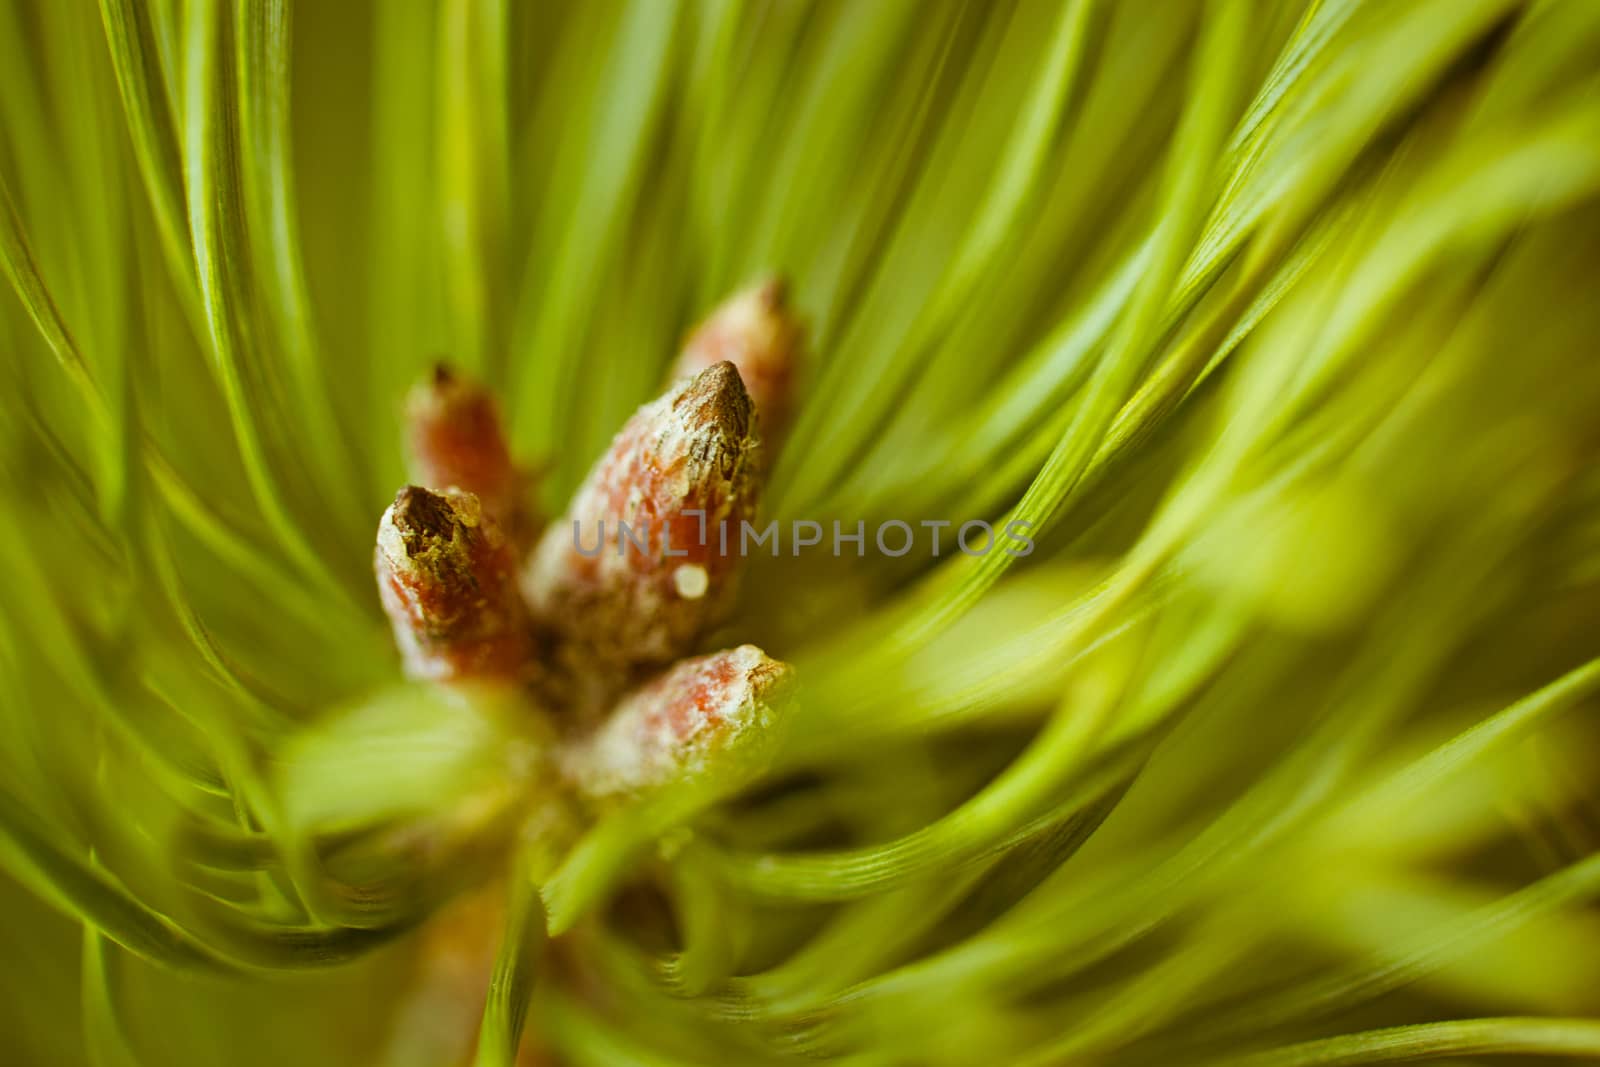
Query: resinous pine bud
713, 718
756, 331
447, 576
685, 468
455, 438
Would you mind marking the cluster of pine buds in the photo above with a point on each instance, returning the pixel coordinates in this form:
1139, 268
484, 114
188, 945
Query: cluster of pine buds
480, 592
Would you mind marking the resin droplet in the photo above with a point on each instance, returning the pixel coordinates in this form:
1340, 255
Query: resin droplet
447, 576
712, 719
690, 580
607, 576
758, 332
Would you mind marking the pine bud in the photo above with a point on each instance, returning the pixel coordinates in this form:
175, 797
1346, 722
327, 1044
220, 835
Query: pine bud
447, 576
647, 556
456, 441
756, 331
708, 720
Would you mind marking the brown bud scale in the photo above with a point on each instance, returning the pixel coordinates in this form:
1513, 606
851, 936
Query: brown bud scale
447, 576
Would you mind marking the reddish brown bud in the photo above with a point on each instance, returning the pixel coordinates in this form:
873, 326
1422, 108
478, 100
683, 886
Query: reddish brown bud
756, 331
637, 570
447, 576
711, 719
456, 441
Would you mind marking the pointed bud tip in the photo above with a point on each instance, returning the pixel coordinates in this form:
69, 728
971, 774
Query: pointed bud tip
771, 681
722, 382
425, 513
441, 388
766, 296
771, 293
421, 520
716, 398
456, 438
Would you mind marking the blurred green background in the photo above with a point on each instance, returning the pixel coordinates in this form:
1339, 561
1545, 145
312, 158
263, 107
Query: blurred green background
1277, 319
